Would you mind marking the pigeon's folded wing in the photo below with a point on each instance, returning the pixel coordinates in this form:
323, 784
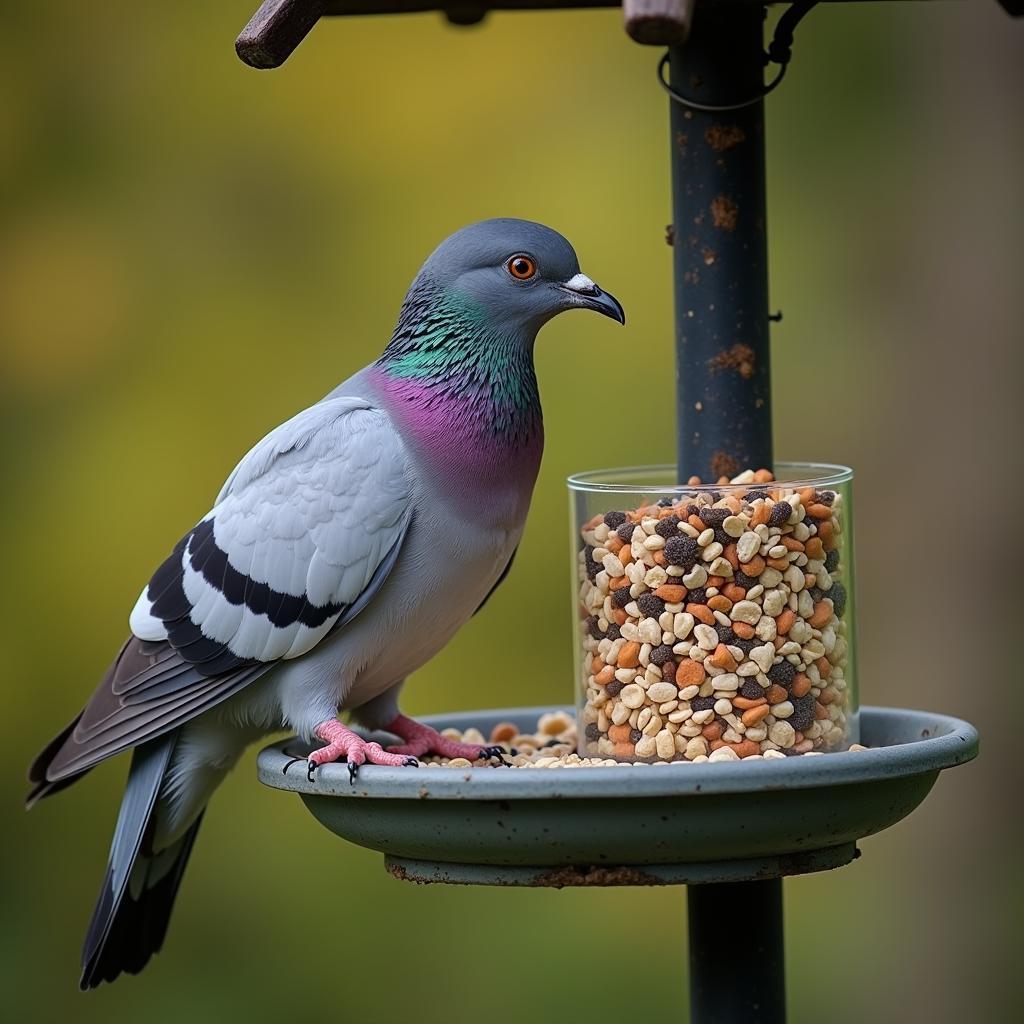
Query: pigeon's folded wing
303, 534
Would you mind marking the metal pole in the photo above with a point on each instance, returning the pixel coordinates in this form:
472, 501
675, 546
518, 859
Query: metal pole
724, 420
737, 957
720, 249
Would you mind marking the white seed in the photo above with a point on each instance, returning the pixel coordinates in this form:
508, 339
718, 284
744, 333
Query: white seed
697, 578
696, 746
712, 551
612, 564
665, 744
620, 713
661, 692
644, 717
763, 656
628, 630
745, 611
783, 709
773, 753
706, 637
655, 577
705, 537
783, 734
734, 526
814, 649
654, 542
766, 629
649, 631
631, 696
795, 578
645, 746
625, 675
721, 567
703, 717
723, 706
682, 624
728, 682
800, 631
747, 546
653, 726
724, 754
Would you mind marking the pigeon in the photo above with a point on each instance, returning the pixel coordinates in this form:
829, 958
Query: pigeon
343, 552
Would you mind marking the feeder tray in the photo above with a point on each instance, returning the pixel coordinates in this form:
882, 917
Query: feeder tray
678, 824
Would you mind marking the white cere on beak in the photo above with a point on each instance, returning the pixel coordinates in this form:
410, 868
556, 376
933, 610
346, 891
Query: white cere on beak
581, 283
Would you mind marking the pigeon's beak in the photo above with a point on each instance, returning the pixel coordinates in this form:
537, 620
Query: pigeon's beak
584, 293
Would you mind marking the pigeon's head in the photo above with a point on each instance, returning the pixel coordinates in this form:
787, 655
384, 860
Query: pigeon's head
513, 274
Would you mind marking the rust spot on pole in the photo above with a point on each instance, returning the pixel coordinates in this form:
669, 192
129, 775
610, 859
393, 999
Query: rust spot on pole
721, 137
724, 212
723, 464
740, 358
709, 256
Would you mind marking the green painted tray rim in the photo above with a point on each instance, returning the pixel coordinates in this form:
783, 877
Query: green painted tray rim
901, 743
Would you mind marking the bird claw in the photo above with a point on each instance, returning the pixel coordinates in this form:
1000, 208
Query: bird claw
495, 751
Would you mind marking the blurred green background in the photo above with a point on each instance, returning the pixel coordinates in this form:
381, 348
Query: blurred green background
192, 250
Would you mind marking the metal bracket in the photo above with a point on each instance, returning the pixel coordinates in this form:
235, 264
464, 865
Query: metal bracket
779, 52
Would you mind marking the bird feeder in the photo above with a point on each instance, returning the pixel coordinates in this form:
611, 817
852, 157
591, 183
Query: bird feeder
728, 831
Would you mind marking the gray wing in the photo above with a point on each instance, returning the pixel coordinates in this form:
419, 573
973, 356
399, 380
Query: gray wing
302, 536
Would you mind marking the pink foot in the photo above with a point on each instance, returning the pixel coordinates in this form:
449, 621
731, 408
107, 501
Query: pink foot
421, 739
342, 742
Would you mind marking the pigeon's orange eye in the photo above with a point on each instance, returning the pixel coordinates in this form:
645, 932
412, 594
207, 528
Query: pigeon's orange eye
522, 268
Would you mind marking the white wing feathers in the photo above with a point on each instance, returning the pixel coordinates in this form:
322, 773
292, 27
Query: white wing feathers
297, 535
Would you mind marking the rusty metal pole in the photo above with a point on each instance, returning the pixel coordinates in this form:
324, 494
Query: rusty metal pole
723, 389
724, 417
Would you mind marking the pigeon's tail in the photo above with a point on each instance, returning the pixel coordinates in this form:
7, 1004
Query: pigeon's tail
130, 920
41, 786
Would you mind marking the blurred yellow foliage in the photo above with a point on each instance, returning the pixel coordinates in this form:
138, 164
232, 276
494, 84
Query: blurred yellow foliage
191, 250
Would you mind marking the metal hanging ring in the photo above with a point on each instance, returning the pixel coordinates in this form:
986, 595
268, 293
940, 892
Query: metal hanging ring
714, 108
779, 51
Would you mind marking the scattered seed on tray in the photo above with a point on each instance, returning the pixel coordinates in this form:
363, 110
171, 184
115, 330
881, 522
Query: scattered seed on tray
553, 744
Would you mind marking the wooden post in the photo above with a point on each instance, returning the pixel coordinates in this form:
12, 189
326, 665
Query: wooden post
658, 22
274, 31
